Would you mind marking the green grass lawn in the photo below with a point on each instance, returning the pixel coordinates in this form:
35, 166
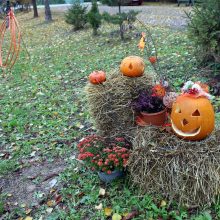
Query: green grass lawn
43, 107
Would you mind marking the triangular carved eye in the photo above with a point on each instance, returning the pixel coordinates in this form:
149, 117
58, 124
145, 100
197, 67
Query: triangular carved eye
196, 113
130, 66
184, 122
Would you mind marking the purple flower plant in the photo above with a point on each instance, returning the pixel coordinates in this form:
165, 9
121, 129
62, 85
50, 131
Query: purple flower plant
146, 102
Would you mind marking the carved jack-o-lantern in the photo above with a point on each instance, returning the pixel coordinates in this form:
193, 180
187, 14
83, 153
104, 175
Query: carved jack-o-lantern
192, 118
132, 66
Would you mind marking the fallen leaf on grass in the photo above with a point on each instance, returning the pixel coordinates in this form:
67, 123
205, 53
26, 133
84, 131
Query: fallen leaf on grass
49, 210
108, 211
33, 153
28, 218
130, 215
50, 203
28, 211
58, 199
163, 203
116, 216
102, 192
99, 207
52, 183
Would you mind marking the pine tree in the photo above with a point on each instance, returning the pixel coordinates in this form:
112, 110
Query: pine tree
204, 30
76, 15
120, 17
94, 17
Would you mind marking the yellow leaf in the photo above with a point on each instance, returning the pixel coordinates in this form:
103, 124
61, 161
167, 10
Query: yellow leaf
50, 203
125, 214
28, 218
28, 211
99, 207
163, 203
52, 190
108, 211
116, 216
55, 114
23, 205
102, 192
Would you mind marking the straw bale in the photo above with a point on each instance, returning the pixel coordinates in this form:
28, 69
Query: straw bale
184, 171
109, 103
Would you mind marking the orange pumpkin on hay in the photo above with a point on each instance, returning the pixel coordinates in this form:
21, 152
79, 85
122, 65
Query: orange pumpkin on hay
97, 77
132, 66
192, 117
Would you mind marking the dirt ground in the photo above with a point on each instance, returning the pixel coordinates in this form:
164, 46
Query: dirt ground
31, 186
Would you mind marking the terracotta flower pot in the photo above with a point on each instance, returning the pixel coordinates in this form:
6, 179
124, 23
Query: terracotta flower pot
157, 119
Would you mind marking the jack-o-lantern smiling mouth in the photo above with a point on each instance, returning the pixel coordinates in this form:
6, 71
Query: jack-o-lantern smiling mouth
186, 134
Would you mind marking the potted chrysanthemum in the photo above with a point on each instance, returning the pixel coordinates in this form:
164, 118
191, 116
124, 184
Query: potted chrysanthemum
109, 158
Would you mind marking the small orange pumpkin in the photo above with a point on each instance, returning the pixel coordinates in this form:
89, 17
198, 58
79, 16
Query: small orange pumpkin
97, 77
132, 66
159, 90
192, 118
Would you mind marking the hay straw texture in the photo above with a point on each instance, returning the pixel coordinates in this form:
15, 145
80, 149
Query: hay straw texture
188, 172
109, 103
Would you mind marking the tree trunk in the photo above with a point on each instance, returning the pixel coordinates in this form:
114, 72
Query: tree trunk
121, 25
48, 16
122, 31
119, 7
34, 3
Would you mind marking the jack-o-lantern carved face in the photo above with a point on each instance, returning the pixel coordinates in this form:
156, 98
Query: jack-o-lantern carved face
132, 66
192, 118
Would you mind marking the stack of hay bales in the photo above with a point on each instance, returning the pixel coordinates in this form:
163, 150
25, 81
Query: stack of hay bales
109, 102
160, 163
184, 171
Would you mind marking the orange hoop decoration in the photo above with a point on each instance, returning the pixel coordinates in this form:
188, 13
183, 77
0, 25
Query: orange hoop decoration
10, 23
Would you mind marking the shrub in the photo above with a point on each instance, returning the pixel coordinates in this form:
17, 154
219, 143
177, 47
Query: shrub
204, 30
94, 17
120, 19
76, 15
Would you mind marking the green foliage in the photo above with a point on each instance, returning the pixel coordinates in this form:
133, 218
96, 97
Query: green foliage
41, 2
204, 30
120, 19
203, 216
2, 209
76, 16
7, 166
94, 17
115, 2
